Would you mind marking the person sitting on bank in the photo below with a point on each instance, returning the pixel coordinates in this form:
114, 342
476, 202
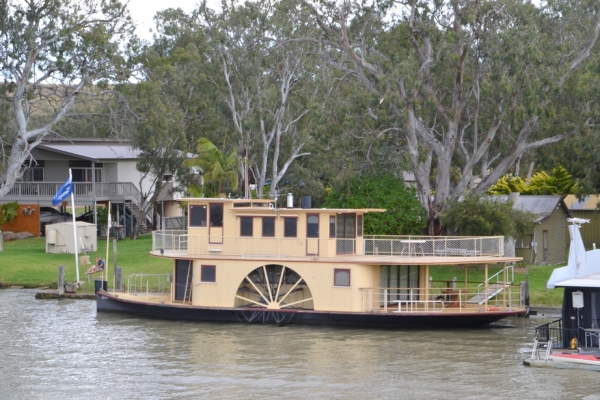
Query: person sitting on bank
98, 267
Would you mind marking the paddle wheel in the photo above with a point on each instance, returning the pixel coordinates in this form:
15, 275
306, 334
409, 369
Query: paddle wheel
274, 287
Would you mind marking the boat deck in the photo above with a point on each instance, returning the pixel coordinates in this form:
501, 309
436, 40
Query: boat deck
392, 308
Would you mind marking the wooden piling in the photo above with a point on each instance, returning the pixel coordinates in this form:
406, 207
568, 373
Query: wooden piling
61, 281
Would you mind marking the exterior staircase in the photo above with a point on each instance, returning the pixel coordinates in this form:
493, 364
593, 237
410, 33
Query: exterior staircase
492, 290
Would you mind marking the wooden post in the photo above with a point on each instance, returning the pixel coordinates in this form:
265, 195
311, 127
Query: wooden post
61, 281
119, 278
486, 288
504, 286
465, 276
115, 264
426, 287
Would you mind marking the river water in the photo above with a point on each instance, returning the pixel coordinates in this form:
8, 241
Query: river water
64, 350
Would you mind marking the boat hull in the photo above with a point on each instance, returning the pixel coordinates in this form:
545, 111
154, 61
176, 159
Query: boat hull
107, 302
586, 359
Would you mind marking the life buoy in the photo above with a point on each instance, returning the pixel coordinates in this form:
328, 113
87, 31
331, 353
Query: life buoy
573, 345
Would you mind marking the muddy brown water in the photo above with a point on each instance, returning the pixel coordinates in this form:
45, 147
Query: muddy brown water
64, 350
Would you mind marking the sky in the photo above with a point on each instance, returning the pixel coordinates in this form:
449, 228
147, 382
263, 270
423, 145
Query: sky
143, 11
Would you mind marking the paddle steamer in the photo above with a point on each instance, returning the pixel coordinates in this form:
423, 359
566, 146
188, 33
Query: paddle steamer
250, 261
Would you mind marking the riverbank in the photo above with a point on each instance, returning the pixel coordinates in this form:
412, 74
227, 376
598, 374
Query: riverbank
26, 263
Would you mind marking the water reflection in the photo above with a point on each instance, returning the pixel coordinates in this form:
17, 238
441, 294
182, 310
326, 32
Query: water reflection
56, 349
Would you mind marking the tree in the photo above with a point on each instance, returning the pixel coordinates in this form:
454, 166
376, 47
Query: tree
404, 215
218, 169
558, 182
272, 93
474, 215
470, 85
52, 54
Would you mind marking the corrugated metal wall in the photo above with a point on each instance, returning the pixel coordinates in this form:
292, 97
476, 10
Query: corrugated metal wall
590, 233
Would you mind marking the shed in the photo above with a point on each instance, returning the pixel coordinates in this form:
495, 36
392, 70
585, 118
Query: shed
586, 208
59, 237
547, 244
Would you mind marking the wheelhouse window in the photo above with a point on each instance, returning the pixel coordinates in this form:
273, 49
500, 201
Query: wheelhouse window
341, 277
246, 226
268, 226
216, 215
312, 226
198, 215
208, 273
290, 227
332, 226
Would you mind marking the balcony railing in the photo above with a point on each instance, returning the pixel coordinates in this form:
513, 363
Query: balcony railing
451, 246
80, 189
180, 242
439, 299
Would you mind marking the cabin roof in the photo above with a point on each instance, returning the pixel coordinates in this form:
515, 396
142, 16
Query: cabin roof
269, 204
590, 281
588, 203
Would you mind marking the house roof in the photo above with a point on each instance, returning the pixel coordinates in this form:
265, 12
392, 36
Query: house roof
93, 150
589, 203
541, 205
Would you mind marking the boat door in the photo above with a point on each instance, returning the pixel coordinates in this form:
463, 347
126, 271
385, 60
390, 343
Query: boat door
183, 280
215, 223
345, 233
312, 235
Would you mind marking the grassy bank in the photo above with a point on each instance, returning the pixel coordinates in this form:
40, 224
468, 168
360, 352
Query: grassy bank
25, 263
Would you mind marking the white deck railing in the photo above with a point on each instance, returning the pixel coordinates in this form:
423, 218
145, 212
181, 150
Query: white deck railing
458, 299
181, 242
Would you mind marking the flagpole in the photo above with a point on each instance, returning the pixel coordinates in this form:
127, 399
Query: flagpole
108, 223
74, 227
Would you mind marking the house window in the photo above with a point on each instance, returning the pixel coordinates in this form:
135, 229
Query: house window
332, 226
341, 277
33, 174
216, 215
208, 273
198, 215
246, 226
268, 227
85, 175
290, 227
312, 226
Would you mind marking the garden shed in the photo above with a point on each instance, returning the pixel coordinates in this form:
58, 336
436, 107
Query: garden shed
60, 237
547, 243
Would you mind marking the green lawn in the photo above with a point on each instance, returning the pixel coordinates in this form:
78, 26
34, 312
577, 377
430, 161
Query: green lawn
25, 262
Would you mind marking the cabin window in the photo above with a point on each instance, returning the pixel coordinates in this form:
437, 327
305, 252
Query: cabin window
197, 215
268, 226
312, 226
341, 277
359, 226
246, 226
216, 215
208, 273
290, 227
332, 226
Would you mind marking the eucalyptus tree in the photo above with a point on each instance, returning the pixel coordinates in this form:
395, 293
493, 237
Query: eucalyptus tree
54, 53
471, 85
272, 92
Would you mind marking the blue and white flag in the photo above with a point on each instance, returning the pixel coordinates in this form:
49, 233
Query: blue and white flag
65, 190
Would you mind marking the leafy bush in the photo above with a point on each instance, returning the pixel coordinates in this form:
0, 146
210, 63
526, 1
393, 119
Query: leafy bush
486, 216
8, 212
404, 214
